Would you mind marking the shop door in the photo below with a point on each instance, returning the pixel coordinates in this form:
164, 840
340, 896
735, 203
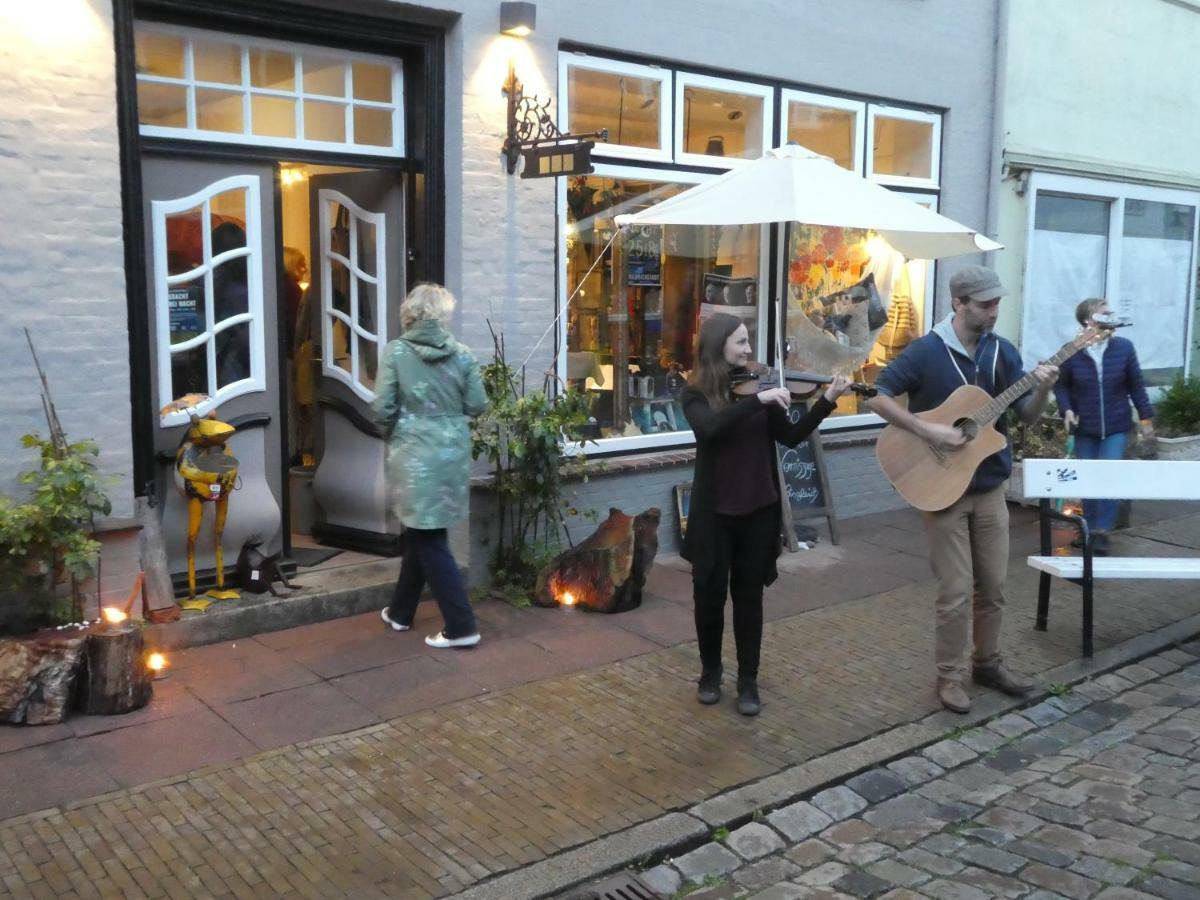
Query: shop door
211, 272
357, 245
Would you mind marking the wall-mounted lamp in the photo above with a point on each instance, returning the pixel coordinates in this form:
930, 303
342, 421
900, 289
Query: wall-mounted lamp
518, 18
531, 128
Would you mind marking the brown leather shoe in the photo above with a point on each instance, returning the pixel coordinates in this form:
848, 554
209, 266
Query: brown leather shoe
1002, 679
954, 698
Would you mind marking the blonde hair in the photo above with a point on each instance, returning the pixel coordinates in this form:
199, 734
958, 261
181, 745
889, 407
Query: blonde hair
426, 301
294, 262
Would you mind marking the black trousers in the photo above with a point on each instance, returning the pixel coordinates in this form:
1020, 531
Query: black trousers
427, 559
745, 547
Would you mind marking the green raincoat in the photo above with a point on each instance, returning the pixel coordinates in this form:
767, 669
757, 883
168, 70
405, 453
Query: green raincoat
429, 385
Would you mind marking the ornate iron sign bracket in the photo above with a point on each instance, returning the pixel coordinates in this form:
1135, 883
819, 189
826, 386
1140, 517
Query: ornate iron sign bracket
531, 129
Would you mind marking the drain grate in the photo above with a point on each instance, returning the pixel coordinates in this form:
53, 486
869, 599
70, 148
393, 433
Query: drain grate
622, 886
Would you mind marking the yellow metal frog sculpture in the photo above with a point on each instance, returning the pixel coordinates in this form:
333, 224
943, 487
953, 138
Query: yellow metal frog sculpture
207, 474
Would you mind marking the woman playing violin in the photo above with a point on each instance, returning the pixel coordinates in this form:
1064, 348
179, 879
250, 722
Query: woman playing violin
734, 531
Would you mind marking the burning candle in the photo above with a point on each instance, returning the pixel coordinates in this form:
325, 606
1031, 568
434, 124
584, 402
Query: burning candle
157, 664
567, 599
114, 616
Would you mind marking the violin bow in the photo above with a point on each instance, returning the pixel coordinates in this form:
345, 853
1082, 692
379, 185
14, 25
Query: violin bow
789, 528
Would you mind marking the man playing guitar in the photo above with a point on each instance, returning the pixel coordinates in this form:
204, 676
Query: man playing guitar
968, 540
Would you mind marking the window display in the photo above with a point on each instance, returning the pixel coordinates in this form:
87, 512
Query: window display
851, 305
630, 331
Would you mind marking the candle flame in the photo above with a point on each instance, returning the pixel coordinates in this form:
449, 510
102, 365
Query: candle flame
567, 599
114, 616
157, 662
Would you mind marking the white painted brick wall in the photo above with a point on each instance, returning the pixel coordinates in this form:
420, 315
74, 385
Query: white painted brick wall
61, 250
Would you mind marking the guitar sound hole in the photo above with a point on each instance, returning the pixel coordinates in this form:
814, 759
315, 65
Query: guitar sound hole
968, 427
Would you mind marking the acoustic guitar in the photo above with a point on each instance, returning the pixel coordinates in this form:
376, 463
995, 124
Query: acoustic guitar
931, 478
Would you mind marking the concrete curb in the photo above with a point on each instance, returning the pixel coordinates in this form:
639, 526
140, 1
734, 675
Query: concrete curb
591, 860
677, 832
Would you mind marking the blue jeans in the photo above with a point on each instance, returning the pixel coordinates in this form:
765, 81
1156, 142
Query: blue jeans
427, 558
1101, 514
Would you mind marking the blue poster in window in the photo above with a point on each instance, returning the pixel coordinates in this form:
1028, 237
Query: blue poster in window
643, 256
185, 308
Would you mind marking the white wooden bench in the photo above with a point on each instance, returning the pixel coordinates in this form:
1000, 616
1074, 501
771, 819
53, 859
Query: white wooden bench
1047, 480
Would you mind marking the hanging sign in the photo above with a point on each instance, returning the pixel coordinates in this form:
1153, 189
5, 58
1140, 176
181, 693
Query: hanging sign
555, 160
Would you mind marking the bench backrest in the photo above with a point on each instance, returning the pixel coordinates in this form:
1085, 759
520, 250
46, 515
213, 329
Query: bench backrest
1121, 479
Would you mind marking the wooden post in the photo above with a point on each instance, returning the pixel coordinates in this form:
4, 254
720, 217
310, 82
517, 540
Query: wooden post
114, 679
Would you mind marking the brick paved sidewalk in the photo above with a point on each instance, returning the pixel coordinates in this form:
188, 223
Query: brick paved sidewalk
1091, 794
533, 761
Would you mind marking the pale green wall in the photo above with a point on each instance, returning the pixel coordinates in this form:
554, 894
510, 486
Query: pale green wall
1103, 88
1111, 80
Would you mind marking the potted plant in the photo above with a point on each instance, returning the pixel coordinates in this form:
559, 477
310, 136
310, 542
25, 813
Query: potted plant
1044, 439
523, 436
1177, 419
46, 538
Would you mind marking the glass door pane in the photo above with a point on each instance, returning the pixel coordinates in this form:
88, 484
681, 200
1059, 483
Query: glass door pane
1068, 263
1154, 286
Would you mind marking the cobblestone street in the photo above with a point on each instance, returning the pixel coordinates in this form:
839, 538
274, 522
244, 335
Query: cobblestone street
1093, 793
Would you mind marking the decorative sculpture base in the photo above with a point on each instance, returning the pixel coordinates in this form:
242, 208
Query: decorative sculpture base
607, 571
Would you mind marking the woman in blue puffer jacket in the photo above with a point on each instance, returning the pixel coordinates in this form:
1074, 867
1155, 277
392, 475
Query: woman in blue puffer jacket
1094, 391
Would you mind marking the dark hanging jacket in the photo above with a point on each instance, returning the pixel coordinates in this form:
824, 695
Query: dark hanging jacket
711, 427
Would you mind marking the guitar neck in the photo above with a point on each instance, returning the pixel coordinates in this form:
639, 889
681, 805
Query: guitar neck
999, 404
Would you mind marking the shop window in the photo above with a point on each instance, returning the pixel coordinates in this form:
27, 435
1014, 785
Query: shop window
208, 293
1132, 244
720, 122
352, 241
904, 146
631, 328
834, 322
201, 86
632, 101
827, 125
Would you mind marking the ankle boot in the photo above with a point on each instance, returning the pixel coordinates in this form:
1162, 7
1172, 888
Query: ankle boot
953, 697
748, 703
708, 691
998, 677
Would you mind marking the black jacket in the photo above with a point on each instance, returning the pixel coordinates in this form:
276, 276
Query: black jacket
711, 427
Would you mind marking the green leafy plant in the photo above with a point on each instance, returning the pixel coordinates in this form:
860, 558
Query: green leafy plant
523, 436
1177, 412
720, 834
46, 538
1044, 439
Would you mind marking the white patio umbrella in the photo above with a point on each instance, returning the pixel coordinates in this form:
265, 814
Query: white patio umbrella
794, 184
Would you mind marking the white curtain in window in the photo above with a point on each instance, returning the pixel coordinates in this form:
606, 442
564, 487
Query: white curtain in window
1153, 293
1065, 267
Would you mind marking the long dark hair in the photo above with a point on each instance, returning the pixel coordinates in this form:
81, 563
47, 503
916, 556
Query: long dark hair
711, 375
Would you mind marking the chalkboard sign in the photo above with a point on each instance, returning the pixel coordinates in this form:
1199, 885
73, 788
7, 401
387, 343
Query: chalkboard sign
804, 480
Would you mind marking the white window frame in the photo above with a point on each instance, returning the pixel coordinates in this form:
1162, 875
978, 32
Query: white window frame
1115, 193
570, 60
877, 110
685, 80
256, 381
351, 379
858, 107
246, 91
673, 439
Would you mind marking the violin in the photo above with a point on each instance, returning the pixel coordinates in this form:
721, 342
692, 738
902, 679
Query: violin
756, 377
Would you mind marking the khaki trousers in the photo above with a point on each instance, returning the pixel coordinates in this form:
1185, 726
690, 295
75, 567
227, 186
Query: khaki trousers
968, 551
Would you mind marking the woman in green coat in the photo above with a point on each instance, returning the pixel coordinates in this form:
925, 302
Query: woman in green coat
429, 386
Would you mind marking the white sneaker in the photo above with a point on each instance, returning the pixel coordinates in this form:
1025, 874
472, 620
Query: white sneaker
440, 641
396, 626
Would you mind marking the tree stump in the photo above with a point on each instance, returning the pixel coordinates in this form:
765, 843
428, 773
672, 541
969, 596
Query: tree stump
606, 572
115, 678
36, 677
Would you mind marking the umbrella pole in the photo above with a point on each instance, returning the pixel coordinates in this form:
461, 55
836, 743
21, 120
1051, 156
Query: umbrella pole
618, 322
